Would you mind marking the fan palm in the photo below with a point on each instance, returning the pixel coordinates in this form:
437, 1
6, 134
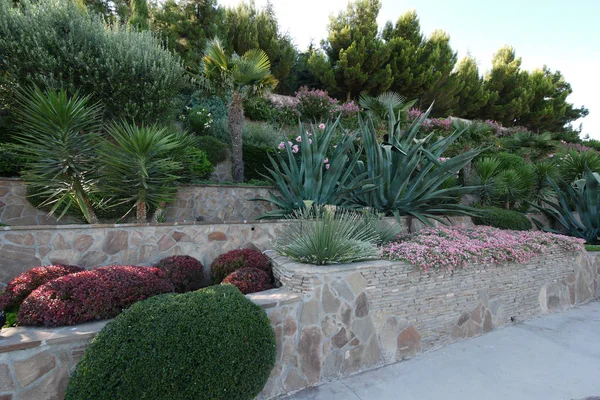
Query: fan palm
378, 108
140, 166
244, 77
59, 133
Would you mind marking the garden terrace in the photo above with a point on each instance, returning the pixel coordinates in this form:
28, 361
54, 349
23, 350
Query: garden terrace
337, 320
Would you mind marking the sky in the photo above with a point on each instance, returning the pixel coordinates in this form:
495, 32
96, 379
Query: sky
565, 36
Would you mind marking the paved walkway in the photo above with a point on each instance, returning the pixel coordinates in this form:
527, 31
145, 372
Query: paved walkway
552, 357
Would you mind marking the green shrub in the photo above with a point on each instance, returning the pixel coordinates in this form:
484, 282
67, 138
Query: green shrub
216, 151
210, 344
256, 161
53, 44
510, 161
592, 247
215, 104
220, 130
196, 165
502, 219
259, 109
12, 161
261, 134
200, 120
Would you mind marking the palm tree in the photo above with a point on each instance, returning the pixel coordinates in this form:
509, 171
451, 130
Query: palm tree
378, 108
242, 77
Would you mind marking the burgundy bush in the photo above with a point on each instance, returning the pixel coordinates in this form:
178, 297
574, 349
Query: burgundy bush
185, 272
20, 287
249, 280
233, 260
91, 295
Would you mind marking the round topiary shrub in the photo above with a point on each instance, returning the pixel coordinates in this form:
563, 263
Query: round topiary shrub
233, 260
184, 272
502, 219
91, 295
20, 287
209, 344
249, 280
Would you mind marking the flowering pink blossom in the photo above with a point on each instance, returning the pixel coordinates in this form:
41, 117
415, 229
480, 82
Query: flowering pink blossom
321, 126
281, 146
299, 139
327, 166
452, 247
310, 141
295, 148
326, 160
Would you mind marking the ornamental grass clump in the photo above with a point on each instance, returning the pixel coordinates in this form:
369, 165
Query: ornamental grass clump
451, 247
327, 236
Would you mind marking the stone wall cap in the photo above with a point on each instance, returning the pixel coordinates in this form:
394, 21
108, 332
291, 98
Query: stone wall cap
25, 337
123, 226
274, 297
311, 269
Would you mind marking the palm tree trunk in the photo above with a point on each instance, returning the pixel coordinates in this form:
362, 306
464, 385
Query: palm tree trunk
87, 204
236, 128
140, 214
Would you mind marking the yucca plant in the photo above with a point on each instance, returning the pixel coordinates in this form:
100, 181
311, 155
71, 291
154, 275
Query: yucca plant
311, 178
513, 187
572, 165
324, 235
140, 165
543, 172
584, 200
59, 134
408, 173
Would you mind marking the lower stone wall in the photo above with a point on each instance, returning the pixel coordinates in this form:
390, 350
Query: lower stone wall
22, 248
360, 316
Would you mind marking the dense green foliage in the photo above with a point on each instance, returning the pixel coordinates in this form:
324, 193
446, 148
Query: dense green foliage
216, 151
503, 219
55, 45
209, 344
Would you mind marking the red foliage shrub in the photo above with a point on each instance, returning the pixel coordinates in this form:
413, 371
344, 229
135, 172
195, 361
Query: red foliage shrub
233, 260
91, 295
185, 272
249, 280
20, 287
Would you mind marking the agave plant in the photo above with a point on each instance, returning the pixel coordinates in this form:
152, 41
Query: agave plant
323, 174
408, 173
584, 200
59, 134
140, 166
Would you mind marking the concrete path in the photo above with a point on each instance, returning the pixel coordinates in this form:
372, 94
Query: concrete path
552, 357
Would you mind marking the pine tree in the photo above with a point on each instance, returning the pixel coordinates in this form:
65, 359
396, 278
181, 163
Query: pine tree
508, 87
355, 59
472, 96
249, 28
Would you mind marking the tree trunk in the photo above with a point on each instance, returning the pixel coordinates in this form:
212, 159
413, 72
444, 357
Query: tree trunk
236, 128
140, 214
87, 204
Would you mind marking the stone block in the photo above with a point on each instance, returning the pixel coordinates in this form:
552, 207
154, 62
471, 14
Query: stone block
6, 380
50, 388
409, 342
361, 308
217, 236
115, 241
329, 301
33, 368
309, 351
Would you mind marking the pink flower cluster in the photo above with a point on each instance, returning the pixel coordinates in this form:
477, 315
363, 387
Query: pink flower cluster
451, 247
347, 109
575, 146
430, 124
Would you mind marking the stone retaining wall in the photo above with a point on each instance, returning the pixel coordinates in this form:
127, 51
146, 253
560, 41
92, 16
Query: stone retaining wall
335, 321
207, 203
22, 248
360, 316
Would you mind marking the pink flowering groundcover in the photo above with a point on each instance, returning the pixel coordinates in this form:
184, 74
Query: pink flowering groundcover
453, 247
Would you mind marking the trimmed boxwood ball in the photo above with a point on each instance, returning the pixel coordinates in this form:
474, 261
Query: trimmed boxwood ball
185, 272
233, 260
209, 344
249, 280
502, 219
